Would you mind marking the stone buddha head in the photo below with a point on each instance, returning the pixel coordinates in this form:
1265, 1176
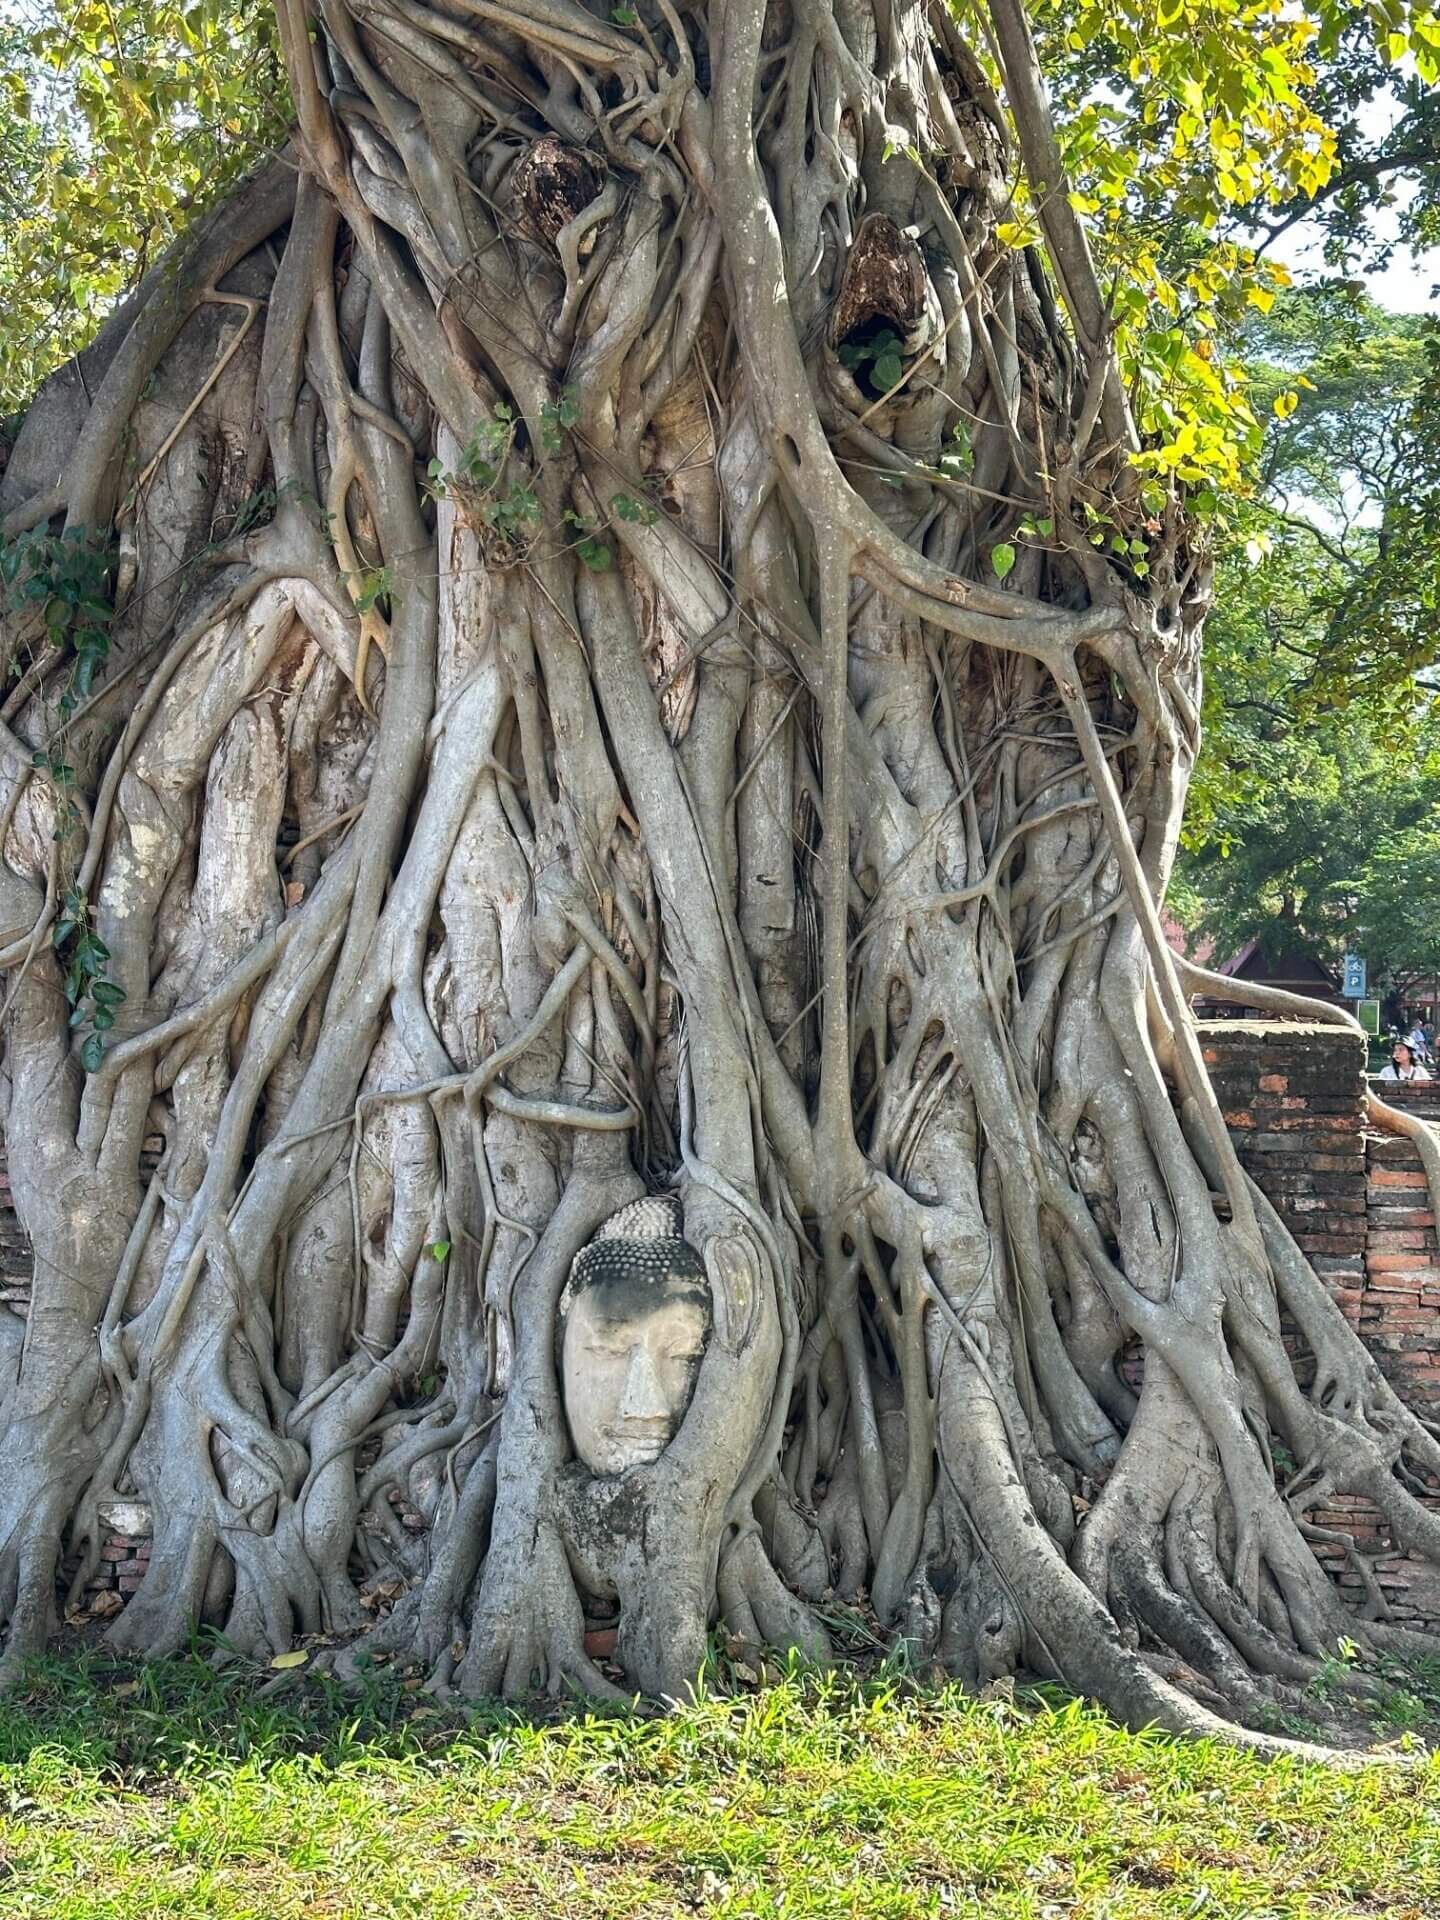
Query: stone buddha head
637, 1316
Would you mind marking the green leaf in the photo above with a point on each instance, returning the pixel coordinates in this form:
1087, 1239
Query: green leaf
1002, 559
439, 1250
963, 455
92, 1053
626, 507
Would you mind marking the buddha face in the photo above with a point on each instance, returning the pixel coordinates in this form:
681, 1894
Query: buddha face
634, 1338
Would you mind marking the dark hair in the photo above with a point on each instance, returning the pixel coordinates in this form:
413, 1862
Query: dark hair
1402, 1046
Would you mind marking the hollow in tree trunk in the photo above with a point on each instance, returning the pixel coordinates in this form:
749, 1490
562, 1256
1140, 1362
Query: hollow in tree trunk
565, 665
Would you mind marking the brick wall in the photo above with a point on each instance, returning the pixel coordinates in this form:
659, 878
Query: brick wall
15, 1261
1415, 1097
1355, 1198
1293, 1097
1356, 1201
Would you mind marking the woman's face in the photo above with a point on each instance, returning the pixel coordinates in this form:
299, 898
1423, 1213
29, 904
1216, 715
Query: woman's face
1400, 1059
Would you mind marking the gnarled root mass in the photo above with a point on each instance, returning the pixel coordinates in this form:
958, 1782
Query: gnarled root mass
612, 687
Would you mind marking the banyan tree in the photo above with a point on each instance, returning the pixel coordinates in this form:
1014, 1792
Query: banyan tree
587, 1034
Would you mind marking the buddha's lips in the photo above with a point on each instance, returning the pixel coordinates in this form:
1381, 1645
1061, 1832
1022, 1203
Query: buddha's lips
628, 1432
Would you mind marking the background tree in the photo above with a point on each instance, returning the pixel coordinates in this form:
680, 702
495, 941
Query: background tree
119, 122
1324, 839
1312, 808
623, 625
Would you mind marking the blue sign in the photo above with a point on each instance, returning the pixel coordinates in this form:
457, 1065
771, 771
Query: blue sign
1353, 986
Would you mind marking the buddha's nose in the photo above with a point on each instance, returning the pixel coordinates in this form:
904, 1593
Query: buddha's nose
644, 1396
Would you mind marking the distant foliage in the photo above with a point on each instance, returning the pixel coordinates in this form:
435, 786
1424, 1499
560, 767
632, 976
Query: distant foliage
117, 122
1313, 808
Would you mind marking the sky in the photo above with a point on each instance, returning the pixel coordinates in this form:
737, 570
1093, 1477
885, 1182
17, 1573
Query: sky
1406, 283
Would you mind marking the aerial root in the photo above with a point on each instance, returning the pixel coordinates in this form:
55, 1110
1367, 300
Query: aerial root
760, 1609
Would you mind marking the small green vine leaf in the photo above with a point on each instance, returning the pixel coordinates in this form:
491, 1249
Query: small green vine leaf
557, 417
1002, 559
637, 512
377, 584
597, 554
889, 370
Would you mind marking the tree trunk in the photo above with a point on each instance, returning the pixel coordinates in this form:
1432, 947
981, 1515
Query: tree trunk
631, 656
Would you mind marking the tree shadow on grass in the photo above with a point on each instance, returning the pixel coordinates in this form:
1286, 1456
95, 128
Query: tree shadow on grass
137, 1720
131, 1718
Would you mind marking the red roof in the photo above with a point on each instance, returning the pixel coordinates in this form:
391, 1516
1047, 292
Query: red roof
1192, 946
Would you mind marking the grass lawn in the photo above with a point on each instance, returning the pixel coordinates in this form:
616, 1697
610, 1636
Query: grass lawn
136, 1792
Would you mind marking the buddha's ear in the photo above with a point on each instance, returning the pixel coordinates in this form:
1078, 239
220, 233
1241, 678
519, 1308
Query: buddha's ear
733, 1269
